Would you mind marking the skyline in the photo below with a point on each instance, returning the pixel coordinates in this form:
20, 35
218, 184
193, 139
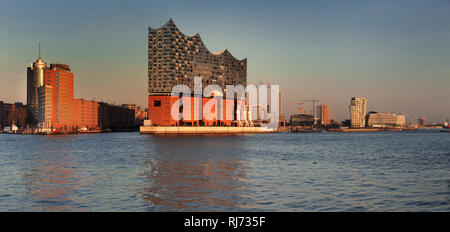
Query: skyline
394, 53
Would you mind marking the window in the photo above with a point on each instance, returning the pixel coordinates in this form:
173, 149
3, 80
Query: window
157, 103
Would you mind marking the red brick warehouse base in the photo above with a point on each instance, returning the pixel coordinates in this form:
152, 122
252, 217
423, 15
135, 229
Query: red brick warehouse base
159, 111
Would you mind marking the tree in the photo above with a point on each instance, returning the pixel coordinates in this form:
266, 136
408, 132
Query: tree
17, 116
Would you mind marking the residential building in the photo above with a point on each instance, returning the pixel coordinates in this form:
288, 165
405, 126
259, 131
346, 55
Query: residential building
358, 111
53, 106
323, 112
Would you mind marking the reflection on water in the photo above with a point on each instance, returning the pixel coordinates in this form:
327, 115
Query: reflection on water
386, 171
194, 177
54, 178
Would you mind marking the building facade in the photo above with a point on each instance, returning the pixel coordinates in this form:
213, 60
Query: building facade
13, 114
323, 112
35, 79
114, 117
4, 110
175, 59
386, 120
422, 121
53, 106
358, 111
302, 120
139, 113
59, 77
45, 106
162, 108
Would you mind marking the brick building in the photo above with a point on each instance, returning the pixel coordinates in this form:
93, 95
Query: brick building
4, 109
53, 106
160, 111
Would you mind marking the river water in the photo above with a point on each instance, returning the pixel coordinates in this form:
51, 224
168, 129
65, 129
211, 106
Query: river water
381, 171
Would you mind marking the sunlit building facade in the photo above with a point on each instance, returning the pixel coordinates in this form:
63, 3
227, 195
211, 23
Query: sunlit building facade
358, 111
175, 59
52, 104
385, 120
35, 79
324, 115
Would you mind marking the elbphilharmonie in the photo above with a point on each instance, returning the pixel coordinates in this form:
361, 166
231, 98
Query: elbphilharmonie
175, 59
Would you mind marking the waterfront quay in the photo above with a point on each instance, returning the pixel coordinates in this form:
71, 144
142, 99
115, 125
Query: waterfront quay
109, 172
203, 130
297, 129
368, 129
30, 131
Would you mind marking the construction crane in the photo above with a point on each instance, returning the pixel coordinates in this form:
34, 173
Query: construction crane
314, 101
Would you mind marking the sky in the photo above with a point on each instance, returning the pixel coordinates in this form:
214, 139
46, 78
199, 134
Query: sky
395, 53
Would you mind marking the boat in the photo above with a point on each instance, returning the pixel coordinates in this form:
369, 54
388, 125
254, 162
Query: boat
13, 129
7, 130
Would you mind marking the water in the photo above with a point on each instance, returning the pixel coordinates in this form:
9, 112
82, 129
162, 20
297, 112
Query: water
383, 171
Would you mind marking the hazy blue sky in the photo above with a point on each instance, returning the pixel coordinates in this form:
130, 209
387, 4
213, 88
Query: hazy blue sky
395, 53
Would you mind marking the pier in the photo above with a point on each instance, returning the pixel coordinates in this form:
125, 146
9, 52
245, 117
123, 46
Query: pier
203, 130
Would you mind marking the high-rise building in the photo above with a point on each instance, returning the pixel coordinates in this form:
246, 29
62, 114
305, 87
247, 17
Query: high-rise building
175, 59
56, 107
358, 111
51, 102
324, 115
35, 79
61, 79
45, 106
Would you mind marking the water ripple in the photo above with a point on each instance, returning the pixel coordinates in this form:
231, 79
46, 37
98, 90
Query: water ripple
386, 171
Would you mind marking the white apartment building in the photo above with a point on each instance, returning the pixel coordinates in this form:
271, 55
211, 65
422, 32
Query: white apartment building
358, 111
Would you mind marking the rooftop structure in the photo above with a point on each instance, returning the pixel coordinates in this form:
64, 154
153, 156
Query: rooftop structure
175, 58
